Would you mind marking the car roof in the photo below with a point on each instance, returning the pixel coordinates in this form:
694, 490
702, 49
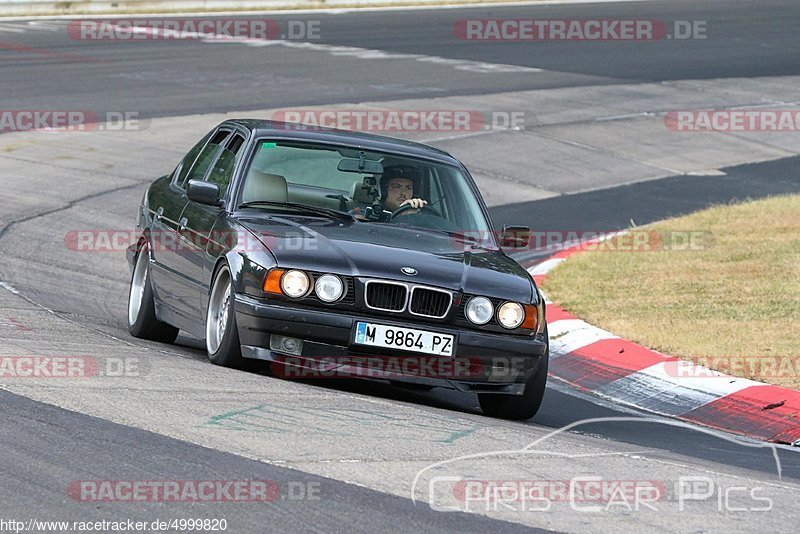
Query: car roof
366, 141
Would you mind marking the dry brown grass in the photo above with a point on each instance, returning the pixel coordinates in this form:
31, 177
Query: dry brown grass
734, 304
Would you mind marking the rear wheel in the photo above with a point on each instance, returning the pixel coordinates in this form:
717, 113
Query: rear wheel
518, 407
222, 334
142, 320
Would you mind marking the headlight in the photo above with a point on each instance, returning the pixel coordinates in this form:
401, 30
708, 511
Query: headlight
479, 310
329, 288
510, 315
295, 284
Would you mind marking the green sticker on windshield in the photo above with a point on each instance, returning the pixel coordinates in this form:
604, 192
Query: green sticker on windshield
268, 145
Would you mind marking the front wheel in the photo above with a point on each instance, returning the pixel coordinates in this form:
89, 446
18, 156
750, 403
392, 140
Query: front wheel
518, 407
222, 334
142, 320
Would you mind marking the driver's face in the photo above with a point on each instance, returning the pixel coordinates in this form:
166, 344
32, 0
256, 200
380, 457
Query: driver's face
398, 191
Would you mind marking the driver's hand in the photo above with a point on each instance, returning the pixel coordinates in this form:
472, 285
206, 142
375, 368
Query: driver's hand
415, 203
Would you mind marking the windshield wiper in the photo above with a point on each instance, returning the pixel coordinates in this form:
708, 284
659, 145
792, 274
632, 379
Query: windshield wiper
299, 206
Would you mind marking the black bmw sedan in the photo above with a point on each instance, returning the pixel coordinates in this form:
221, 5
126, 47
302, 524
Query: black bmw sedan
332, 253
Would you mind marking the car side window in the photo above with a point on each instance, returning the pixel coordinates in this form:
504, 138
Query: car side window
222, 172
206, 158
186, 164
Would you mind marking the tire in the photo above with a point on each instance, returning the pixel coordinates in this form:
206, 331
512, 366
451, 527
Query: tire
518, 407
142, 320
222, 333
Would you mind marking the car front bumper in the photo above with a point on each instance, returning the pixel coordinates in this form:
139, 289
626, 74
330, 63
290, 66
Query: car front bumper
482, 362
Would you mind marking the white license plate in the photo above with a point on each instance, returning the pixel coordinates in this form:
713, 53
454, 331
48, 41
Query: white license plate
395, 337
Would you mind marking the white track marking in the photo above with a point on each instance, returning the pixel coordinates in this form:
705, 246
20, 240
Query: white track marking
368, 53
12, 28
569, 335
47, 25
350, 51
545, 267
697, 377
657, 388
33, 25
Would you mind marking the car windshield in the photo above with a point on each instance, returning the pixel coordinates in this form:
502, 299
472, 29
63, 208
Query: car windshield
368, 185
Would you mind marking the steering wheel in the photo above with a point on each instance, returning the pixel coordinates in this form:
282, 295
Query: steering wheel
405, 207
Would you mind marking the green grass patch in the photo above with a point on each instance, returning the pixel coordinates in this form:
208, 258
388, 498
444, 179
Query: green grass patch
720, 287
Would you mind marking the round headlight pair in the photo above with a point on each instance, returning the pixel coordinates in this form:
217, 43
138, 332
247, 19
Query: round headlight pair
296, 284
479, 310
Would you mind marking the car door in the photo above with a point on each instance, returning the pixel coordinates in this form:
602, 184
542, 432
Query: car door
203, 235
175, 287
166, 204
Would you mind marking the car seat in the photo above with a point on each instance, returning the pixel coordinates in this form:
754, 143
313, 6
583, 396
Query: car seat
264, 186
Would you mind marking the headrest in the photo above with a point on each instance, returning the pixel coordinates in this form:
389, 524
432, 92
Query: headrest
264, 186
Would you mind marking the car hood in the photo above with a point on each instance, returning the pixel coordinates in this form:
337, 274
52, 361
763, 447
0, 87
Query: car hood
381, 251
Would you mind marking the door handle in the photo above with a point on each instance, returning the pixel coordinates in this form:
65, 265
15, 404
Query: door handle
182, 224
159, 213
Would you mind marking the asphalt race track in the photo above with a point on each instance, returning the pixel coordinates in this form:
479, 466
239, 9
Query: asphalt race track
154, 78
593, 154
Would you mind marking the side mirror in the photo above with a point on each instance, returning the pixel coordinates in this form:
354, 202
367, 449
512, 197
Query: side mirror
203, 192
515, 236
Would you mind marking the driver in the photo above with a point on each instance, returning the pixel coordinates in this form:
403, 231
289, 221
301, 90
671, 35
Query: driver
397, 188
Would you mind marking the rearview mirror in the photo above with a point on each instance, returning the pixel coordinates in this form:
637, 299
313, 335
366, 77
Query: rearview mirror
515, 236
203, 192
361, 165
